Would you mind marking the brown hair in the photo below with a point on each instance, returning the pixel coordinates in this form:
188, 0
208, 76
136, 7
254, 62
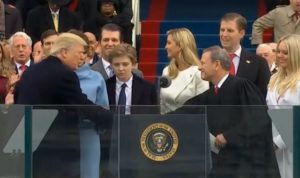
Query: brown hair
123, 50
240, 20
48, 33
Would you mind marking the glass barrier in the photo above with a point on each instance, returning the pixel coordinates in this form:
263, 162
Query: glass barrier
193, 141
12, 137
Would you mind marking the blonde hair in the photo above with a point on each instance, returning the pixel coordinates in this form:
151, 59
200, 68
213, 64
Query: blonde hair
6, 64
66, 41
185, 40
287, 78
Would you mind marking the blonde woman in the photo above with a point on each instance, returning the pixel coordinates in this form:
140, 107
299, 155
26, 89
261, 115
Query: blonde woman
7, 74
183, 70
284, 89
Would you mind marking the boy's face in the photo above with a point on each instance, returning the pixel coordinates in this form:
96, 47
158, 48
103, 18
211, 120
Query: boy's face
122, 67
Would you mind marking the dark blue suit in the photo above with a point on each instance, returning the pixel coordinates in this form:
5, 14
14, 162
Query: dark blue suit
52, 83
143, 93
255, 69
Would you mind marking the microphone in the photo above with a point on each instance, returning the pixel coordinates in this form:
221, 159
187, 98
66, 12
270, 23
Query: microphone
164, 81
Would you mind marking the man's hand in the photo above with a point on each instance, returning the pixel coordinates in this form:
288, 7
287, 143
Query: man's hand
220, 141
9, 99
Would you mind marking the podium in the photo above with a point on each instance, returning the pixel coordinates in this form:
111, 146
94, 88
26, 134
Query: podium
153, 145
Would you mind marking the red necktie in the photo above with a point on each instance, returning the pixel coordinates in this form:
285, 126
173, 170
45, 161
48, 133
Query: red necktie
232, 69
216, 90
23, 67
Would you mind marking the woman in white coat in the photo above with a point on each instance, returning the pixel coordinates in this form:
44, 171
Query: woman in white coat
283, 91
183, 70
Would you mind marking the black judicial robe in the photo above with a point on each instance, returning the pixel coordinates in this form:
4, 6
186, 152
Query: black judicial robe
238, 111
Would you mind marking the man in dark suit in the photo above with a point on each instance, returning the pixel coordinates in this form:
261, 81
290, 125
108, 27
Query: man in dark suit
241, 136
20, 44
137, 90
50, 16
110, 36
54, 82
246, 64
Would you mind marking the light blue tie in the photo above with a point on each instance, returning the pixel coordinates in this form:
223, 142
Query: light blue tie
111, 72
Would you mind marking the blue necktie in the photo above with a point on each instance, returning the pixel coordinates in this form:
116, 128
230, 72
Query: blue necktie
111, 72
122, 99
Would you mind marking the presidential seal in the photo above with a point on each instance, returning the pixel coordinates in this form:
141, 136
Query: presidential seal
159, 142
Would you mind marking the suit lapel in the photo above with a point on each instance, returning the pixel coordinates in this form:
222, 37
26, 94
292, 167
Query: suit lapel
98, 66
136, 91
112, 91
245, 61
61, 20
49, 17
182, 82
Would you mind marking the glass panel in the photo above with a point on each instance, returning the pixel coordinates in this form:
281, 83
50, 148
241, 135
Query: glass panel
12, 157
66, 141
244, 140
88, 140
296, 134
282, 128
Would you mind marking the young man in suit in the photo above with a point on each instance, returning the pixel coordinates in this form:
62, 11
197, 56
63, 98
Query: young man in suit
110, 36
241, 135
246, 64
125, 88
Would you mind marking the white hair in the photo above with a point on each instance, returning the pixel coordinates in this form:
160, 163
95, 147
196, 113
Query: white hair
20, 34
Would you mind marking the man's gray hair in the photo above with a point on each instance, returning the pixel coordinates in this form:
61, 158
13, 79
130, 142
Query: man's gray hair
20, 34
218, 53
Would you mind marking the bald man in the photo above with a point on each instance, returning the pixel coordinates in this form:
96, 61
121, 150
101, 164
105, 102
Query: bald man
93, 45
268, 52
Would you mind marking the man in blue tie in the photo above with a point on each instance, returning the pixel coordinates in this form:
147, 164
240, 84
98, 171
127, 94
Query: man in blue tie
125, 88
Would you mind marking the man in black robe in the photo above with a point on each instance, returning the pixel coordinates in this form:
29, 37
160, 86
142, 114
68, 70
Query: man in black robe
241, 134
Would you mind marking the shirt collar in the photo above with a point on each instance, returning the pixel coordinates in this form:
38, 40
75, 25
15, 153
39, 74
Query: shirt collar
290, 11
222, 80
19, 65
105, 63
128, 83
54, 13
238, 51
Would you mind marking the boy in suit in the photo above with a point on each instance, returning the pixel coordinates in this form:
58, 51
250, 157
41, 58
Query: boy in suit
125, 88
